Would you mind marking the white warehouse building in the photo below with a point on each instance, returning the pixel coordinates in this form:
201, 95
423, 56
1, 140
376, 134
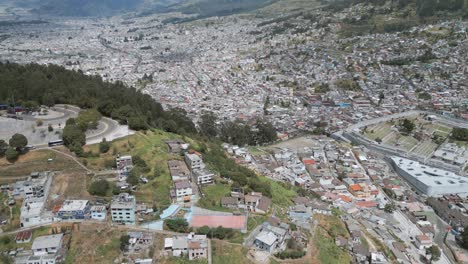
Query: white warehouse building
429, 180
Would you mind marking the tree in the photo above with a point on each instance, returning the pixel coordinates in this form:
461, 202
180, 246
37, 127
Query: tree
39, 122
177, 225
73, 135
434, 252
99, 187
204, 230
3, 147
11, 154
104, 146
50, 128
464, 238
459, 133
157, 171
390, 207
378, 140
124, 242
18, 141
407, 125
208, 126
134, 175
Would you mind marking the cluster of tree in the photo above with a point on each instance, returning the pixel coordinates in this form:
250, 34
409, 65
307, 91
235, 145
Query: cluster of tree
237, 133
240, 175
390, 207
88, 119
218, 232
140, 167
407, 126
424, 96
427, 8
322, 88
179, 225
426, 57
464, 238
293, 251
104, 146
348, 85
15, 146
124, 242
74, 137
99, 187
49, 85
459, 133
434, 253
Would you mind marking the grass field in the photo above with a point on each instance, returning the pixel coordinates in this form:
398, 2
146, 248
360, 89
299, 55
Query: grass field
281, 195
212, 197
152, 148
329, 252
36, 161
324, 239
225, 253
94, 246
425, 148
378, 131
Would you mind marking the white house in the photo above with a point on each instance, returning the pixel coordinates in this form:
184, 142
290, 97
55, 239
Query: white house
98, 212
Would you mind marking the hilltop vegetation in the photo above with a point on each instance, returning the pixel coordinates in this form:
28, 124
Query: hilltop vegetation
48, 85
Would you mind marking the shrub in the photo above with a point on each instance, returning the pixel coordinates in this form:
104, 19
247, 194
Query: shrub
99, 187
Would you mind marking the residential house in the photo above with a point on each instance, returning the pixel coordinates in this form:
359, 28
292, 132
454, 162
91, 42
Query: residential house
123, 208
178, 170
256, 202
203, 176
124, 166
423, 241
23, 236
45, 245
195, 246
194, 161
74, 209
98, 212
182, 191
230, 202
266, 241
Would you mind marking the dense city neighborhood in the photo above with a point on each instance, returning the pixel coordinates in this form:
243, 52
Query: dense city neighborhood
295, 133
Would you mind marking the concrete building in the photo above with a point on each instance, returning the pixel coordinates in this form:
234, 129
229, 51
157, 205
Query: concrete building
203, 176
178, 170
32, 213
194, 161
195, 246
423, 241
124, 166
266, 241
74, 209
123, 208
183, 191
428, 180
98, 212
46, 245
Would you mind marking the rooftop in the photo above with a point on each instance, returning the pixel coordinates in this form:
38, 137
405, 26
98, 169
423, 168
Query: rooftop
47, 242
74, 205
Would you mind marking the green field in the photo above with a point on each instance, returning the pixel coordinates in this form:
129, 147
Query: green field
378, 131
425, 148
212, 197
150, 146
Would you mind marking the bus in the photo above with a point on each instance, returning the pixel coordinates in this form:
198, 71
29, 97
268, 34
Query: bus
54, 143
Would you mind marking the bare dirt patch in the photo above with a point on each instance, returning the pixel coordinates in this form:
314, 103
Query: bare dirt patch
40, 160
68, 185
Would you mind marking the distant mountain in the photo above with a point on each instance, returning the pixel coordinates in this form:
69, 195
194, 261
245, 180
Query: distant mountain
87, 8
91, 8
